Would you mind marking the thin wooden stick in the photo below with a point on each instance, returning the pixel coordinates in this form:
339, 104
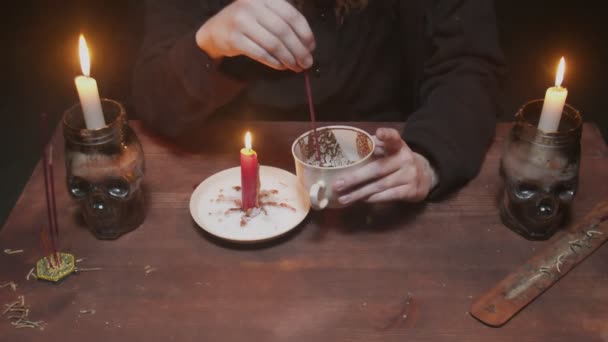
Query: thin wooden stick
47, 189
55, 228
46, 248
43, 124
313, 120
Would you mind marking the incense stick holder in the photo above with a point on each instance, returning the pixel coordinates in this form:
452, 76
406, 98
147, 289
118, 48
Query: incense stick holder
105, 170
55, 267
540, 172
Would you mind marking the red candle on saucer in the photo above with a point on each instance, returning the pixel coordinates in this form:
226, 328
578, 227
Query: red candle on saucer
250, 175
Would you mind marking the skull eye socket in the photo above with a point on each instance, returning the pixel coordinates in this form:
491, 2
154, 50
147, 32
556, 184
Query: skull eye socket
78, 187
565, 191
525, 191
118, 188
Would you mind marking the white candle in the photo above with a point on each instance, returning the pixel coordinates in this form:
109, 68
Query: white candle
555, 99
87, 91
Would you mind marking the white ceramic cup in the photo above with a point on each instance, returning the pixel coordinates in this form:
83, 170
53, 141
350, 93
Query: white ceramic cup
357, 148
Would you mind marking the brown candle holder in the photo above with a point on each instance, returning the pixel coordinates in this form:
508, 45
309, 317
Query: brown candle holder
540, 172
105, 169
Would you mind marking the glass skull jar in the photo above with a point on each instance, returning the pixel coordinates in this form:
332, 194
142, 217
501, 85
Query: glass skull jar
105, 169
540, 172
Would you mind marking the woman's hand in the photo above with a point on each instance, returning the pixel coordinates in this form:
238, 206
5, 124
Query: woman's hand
398, 175
272, 32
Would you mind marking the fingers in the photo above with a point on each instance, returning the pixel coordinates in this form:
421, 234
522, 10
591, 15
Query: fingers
274, 26
376, 169
259, 54
393, 180
398, 175
272, 30
272, 45
299, 56
415, 190
296, 21
405, 192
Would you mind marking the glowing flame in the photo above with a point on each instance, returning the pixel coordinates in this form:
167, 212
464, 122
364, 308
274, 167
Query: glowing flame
85, 59
561, 70
248, 141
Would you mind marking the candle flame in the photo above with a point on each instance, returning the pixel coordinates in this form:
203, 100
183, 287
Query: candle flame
248, 141
561, 70
85, 59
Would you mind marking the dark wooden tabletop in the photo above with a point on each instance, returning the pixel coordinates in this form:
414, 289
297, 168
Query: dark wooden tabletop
387, 273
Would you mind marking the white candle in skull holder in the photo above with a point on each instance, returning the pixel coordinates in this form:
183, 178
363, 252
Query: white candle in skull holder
87, 91
555, 99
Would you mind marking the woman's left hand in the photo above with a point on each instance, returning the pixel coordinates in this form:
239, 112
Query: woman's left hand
397, 175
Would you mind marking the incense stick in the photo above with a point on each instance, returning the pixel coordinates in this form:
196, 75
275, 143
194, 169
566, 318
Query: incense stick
313, 120
48, 189
53, 201
44, 243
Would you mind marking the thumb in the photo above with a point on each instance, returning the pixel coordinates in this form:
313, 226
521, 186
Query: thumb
390, 138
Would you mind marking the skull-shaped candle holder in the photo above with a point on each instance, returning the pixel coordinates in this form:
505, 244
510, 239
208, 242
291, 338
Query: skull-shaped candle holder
104, 169
540, 172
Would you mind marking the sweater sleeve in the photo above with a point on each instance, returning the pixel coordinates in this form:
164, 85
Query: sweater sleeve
176, 85
458, 92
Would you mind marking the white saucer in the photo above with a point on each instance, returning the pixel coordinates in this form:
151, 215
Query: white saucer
211, 200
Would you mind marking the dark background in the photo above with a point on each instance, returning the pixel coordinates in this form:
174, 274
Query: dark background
39, 59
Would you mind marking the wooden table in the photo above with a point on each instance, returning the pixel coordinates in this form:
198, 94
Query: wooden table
392, 273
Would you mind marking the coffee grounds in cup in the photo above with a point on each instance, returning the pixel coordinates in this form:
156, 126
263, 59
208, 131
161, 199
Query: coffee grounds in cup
331, 152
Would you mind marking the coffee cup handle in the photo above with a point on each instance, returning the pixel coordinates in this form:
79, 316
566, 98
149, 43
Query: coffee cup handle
317, 196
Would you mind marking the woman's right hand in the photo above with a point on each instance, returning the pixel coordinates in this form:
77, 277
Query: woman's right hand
272, 32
